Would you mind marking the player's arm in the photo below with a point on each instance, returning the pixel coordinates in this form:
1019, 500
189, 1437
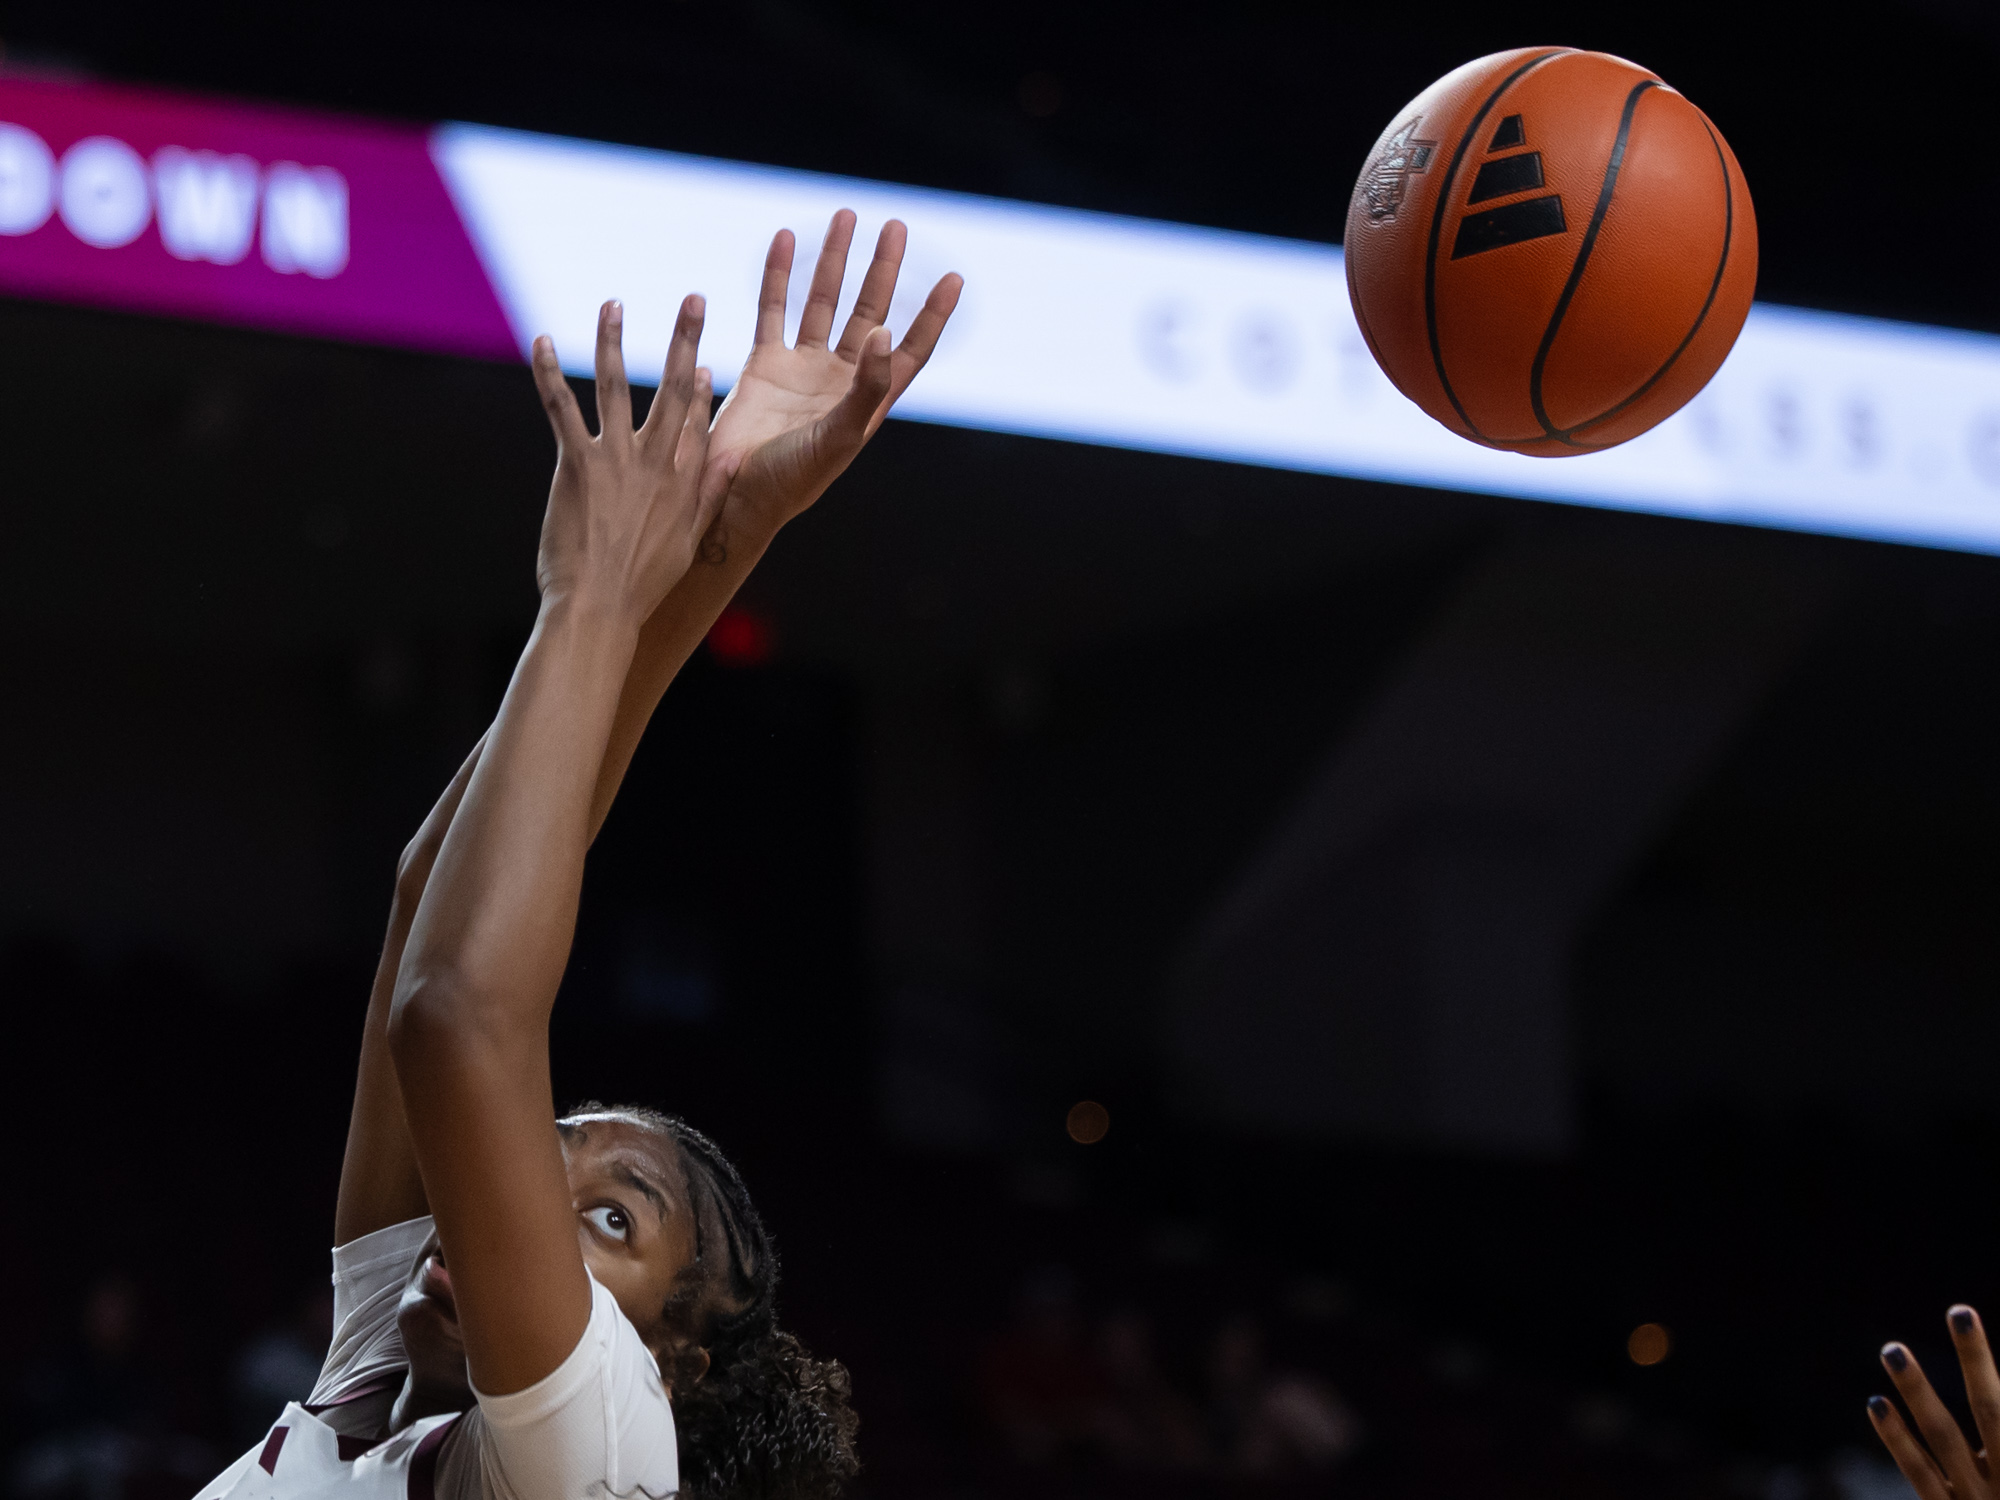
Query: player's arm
468, 1027
379, 1181
794, 421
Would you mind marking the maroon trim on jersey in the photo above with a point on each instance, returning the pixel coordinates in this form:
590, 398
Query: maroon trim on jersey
361, 1392
352, 1448
268, 1459
424, 1462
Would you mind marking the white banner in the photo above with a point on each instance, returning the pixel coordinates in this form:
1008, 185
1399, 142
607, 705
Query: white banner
1180, 340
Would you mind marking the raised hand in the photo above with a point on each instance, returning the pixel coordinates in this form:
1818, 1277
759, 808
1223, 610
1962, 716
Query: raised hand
628, 509
799, 415
1949, 1469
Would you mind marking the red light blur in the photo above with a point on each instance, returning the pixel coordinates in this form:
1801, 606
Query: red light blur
742, 639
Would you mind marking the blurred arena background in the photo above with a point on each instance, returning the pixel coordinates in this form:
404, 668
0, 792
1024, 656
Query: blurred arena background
1029, 773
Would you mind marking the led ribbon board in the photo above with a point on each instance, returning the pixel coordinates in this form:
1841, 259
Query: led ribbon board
1090, 327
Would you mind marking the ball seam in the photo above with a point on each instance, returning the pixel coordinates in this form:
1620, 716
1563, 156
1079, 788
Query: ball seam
1605, 193
1714, 287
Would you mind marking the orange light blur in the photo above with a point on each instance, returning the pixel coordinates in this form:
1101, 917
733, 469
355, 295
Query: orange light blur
1089, 1122
1649, 1344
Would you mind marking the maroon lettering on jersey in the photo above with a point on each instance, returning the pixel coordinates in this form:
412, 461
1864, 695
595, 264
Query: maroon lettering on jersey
424, 1462
268, 1459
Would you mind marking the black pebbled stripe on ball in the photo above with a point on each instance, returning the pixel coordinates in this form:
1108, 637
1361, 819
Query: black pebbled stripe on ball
1438, 207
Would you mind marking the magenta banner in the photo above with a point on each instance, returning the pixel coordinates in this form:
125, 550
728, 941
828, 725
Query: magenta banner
237, 214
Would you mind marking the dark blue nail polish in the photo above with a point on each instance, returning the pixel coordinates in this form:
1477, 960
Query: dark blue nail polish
1878, 1406
1961, 1320
1895, 1357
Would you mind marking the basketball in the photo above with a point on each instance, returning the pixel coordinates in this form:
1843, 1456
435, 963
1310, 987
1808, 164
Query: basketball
1550, 251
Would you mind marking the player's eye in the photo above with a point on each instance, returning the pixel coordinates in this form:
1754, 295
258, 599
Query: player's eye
609, 1221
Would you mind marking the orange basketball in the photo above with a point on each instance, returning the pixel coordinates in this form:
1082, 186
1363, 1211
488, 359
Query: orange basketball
1550, 251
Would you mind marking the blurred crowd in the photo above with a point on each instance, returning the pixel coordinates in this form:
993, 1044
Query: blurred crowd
1302, 1389
1011, 1330
1058, 1390
1058, 1400
106, 1416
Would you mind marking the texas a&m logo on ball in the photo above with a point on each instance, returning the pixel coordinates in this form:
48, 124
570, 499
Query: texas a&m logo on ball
1389, 174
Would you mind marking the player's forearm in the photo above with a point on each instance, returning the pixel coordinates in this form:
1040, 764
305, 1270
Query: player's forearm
494, 927
469, 1027
673, 634
379, 1181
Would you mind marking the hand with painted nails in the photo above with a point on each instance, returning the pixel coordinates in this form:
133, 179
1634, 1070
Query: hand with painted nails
1943, 1466
797, 416
627, 509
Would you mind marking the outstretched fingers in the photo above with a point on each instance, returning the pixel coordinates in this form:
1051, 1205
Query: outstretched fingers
558, 400
1924, 1475
855, 417
614, 396
776, 287
1982, 1384
816, 322
691, 440
1940, 1429
926, 329
677, 394
878, 288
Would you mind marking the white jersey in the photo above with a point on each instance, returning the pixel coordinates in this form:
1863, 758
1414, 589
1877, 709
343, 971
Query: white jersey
598, 1427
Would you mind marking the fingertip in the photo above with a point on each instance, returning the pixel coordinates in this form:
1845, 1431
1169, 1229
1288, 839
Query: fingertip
543, 347
694, 305
1963, 1319
1878, 1408
613, 312
943, 299
1896, 1357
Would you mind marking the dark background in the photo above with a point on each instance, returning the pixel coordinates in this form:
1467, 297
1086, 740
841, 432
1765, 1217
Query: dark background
878, 909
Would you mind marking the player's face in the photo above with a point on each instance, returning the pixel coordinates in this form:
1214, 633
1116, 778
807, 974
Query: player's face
635, 1226
635, 1216
427, 1318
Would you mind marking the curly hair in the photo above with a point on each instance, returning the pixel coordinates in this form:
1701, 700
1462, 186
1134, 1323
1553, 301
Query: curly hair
767, 1421
771, 1422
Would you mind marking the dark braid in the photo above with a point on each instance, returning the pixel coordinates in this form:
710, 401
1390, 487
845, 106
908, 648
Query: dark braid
767, 1421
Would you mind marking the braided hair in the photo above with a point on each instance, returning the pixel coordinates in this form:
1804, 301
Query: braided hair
766, 1421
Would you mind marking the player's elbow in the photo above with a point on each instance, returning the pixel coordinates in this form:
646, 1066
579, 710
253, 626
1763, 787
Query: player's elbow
451, 1035
434, 1011
413, 870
